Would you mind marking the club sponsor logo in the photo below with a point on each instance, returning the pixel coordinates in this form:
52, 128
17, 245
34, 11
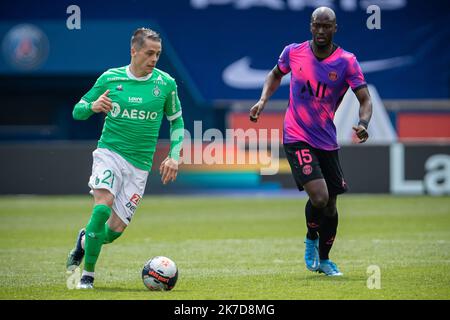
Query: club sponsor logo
135, 99
139, 114
131, 207
308, 91
132, 113
135, 198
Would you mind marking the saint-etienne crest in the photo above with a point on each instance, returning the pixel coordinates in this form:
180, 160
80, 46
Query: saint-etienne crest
156, 91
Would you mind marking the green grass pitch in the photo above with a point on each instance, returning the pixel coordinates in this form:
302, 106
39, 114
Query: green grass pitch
231, 248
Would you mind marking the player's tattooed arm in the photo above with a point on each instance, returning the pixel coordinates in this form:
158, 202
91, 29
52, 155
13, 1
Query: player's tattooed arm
365, 113
271, 85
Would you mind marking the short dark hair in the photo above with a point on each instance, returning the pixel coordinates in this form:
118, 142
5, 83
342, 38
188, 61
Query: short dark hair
324, 11
139, 36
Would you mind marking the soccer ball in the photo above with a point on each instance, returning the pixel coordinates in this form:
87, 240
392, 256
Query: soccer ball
160, 274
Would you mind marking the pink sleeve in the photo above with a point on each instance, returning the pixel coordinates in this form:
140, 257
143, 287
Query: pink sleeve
355, 77
283, 60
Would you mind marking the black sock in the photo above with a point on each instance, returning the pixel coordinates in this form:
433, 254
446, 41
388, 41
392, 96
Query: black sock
313, 220
327, 233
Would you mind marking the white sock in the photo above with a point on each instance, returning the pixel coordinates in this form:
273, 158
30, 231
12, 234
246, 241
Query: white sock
82, 241
87, 273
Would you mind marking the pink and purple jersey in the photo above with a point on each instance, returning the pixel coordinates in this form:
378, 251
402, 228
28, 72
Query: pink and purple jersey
316, 90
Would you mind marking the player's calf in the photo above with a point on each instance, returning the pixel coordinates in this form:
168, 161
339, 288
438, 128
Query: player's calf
110, 235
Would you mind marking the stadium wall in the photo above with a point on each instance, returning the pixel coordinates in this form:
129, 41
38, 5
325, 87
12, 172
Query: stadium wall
64, 168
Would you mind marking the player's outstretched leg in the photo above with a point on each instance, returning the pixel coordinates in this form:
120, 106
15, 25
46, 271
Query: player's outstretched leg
87, 281
327, 233
94, 239
314, 212
76, 255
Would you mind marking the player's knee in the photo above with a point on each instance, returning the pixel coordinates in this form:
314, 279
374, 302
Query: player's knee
105, 201
331, 210
102, 196
319, 200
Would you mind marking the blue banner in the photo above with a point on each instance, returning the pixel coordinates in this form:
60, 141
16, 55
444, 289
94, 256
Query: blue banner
226, 47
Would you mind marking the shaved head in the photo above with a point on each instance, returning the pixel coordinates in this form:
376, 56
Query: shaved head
323, 27
323, 13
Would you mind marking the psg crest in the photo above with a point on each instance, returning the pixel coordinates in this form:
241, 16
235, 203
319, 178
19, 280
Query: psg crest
333, 75
25, 47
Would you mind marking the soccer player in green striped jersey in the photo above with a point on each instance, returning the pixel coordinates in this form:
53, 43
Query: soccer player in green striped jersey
135, 98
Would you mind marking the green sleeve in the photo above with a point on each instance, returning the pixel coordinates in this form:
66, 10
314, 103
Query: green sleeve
176, 137
172, 106
83, 109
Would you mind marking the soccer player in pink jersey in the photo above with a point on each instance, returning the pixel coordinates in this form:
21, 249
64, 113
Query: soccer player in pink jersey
321, 73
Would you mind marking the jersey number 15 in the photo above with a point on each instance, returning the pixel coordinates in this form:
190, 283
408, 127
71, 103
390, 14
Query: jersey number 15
303, 156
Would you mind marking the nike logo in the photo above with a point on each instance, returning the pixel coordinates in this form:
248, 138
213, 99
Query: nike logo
241, 75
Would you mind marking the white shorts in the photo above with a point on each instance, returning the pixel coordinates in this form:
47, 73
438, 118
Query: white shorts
126, 182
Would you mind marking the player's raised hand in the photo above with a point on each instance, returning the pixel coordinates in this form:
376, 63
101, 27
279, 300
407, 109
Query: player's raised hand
256, 110
361, 133
168, 170
103, 103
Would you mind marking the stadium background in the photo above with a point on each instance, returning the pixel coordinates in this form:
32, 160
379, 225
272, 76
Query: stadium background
219, 53
247, 246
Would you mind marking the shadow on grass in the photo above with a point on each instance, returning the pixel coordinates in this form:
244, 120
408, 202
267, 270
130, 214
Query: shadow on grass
322, 277
121, 289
